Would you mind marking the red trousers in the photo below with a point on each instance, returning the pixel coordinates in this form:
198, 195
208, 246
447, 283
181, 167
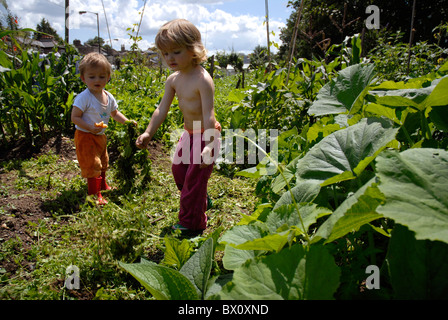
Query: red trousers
191, 180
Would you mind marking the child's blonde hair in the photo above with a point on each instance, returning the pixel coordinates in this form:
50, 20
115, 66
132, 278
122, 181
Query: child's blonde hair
95, 59
181, 33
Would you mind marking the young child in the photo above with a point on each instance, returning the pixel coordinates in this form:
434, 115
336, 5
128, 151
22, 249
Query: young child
179, 41
91, 112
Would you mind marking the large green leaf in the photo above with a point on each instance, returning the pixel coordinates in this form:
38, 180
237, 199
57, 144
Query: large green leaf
344, 154
439, 116
162, 282
296, 272
361, 213
177, 252
270, 242
345, 92
242, 233
286, 216
401, 98
415, 184
438, 96
234, 258
197, 268
355, 211
417, 268
438, 101
304, 191
410, 95
254, 237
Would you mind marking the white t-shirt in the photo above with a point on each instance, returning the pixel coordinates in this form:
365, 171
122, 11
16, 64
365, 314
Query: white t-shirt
93, 110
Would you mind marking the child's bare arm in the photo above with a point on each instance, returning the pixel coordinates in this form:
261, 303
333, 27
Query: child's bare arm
76, 118
158, 116
118, 116
207, 91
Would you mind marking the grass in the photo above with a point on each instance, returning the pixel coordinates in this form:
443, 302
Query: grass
66, 228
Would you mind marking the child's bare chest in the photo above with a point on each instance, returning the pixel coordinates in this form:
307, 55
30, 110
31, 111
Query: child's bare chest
187, 91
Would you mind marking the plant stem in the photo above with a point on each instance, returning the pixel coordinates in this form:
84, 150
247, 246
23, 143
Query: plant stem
411, 36
294, 38
371, 247
335, 196
307, 238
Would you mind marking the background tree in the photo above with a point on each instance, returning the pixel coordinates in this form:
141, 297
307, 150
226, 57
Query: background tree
259, 57
222, 59
45, 27
325, 22
94, 41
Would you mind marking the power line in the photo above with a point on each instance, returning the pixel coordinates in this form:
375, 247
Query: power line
61, 6
107, 24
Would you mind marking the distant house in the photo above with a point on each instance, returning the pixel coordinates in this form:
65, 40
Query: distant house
83, 49
231, 70
45, 44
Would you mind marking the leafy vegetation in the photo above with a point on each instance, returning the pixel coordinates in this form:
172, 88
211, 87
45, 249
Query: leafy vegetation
353, 196
30, 84
359, 180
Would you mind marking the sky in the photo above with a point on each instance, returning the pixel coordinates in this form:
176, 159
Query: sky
225, 25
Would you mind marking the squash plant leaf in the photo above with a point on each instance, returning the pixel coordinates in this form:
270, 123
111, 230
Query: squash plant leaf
254, 237
438, 96
162, 282
344, 93
234, 258
304, 191
414, 183
332, 228
177, 252
344, 154
197, 268
417, 268
296, 272
242, 233
408, 95
439, 116
286, 217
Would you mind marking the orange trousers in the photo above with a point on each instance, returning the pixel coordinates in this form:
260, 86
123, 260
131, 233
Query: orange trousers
91, 151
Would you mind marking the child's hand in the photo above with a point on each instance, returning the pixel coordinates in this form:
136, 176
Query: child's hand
131, 121
95, 129
142, 141
207, 158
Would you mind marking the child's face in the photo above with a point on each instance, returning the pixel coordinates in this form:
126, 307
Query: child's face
178, 59
95, 78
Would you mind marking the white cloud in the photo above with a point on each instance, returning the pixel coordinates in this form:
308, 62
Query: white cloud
221, 30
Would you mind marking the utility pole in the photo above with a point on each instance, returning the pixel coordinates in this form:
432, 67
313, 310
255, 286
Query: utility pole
67, 6
267, 30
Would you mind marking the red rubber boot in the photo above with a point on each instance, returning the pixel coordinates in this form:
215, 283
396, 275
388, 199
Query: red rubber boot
104, 185
94, 188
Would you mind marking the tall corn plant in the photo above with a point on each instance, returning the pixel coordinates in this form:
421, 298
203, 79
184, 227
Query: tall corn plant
36, 94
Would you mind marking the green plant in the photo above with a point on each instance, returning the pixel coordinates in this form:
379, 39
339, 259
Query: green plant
132, 162
191, 282
346, 198
36, 94
390, 56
